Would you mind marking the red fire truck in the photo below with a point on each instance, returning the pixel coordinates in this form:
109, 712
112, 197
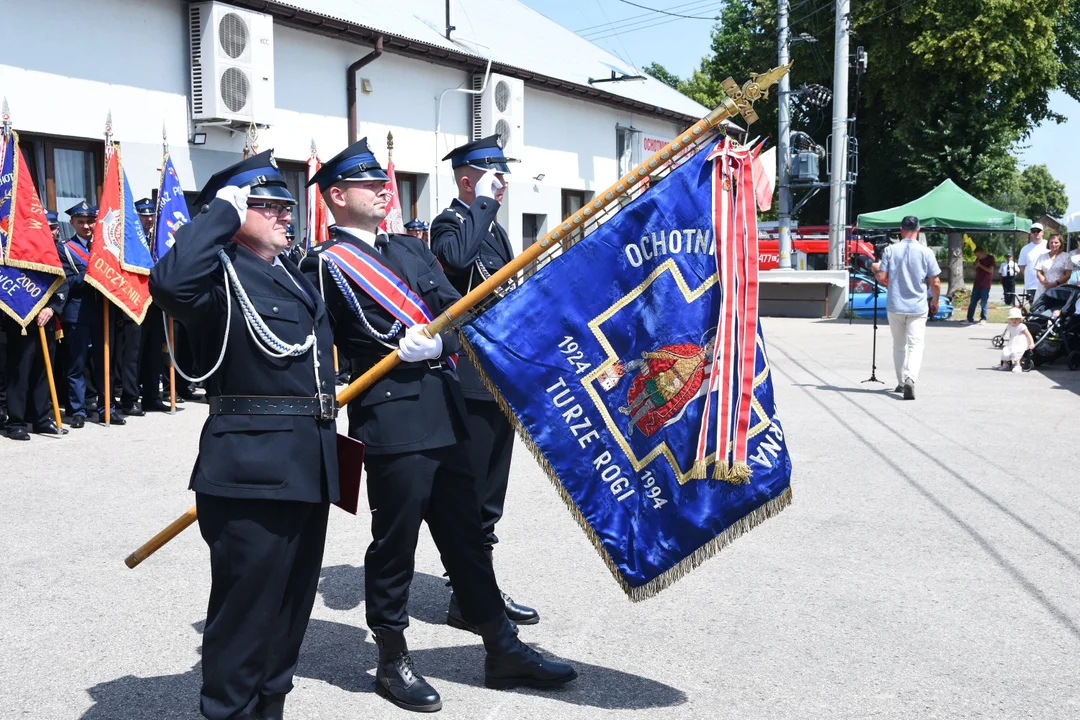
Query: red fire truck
814, 241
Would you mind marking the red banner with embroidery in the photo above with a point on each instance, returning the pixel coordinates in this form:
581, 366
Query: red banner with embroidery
120, 259
394, 222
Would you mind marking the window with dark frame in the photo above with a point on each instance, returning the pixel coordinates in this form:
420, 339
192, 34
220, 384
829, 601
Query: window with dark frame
295, 174
573, 200
408, 192
66, 171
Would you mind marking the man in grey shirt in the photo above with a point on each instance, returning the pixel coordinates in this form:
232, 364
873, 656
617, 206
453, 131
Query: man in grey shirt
909, 268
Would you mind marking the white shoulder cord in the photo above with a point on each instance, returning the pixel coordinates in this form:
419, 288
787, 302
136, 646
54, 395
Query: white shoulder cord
264, 337
224, 340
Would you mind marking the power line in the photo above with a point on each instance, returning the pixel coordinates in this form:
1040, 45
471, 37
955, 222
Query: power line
645, 26
665, 12
621, 43
685, 6
640, 25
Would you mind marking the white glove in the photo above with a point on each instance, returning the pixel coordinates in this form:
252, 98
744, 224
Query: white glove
417, 346
237, 197
488, 184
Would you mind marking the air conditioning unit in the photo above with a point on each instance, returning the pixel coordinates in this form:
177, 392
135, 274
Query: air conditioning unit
500, 110
232, 65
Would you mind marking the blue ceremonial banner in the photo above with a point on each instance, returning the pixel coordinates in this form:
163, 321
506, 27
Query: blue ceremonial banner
636, 370
172, 210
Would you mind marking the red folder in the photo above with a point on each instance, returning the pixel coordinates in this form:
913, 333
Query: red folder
350, 457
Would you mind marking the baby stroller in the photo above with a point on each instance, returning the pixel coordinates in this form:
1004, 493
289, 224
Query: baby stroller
1054, 324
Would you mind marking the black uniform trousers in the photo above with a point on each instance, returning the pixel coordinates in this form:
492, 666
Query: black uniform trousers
151, 358
265, 558
126, 342
1008, 287
28, 399
403, 491
490, 447
84, 341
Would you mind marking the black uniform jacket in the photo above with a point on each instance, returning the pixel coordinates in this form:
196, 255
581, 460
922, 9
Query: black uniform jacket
460, 236
416, 406
76, 288
276, 457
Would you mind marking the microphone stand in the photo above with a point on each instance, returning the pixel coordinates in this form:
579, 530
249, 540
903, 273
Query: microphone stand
873, 357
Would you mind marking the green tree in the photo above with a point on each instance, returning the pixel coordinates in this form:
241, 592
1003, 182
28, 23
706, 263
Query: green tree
662, 74
1042, 193
952, 86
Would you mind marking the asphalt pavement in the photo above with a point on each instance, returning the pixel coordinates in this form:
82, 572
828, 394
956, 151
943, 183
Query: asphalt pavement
929, 567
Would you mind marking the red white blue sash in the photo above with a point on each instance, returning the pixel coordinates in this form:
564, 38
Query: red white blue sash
381, 285
79, 252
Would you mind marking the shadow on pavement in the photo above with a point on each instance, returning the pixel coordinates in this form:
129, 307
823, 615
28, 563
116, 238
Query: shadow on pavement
873, 390
1033, 591
342, 588
343, 656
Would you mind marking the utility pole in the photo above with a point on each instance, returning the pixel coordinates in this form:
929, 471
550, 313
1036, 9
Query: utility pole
783, 146
838, 181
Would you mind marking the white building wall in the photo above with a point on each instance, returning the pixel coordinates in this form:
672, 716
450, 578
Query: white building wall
142, 75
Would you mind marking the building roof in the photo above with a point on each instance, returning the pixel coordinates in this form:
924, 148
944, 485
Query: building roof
523, 43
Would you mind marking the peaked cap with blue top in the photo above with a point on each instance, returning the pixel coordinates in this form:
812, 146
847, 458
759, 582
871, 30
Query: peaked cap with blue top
52, 218
144, 207
482, 154
415, 225
258, 172
83, 209
354, 163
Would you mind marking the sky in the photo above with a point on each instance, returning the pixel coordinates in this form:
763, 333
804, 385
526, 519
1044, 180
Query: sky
640, 37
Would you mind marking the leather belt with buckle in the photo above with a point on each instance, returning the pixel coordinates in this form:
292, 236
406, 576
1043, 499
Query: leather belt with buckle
322, 406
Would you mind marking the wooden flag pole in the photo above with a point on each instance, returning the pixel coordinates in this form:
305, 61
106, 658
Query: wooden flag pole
739, 102
106, 392
172, 369
155, 543
49, 375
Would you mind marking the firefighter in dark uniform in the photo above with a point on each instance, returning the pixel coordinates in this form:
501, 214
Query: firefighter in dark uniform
411, 422
82, 316
151, 356
267, 465
471, 245
29, 404
415, 228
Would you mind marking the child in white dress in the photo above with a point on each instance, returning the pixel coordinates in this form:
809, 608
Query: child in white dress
1018, 341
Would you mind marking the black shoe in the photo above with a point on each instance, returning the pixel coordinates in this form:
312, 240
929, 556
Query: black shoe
49, 428
115, 418
511, 663
18, 434
455, 619
520, 614
155, 406
396, 678
270, 707
132, 410
3, 416
909, 389
78, 421
899, 388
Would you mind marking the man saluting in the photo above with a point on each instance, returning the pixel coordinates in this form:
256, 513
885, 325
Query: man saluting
471, 245
267, 465
381, 292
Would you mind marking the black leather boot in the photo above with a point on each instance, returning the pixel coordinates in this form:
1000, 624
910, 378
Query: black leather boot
520, 614
270, 707
511, 663
396, 678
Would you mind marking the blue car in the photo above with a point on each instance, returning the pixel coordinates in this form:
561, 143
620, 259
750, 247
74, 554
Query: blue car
862, 299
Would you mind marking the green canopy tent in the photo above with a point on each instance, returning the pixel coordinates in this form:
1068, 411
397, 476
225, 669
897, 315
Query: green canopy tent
946, 208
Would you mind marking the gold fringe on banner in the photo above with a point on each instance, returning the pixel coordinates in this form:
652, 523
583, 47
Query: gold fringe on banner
700, 470
670, 576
